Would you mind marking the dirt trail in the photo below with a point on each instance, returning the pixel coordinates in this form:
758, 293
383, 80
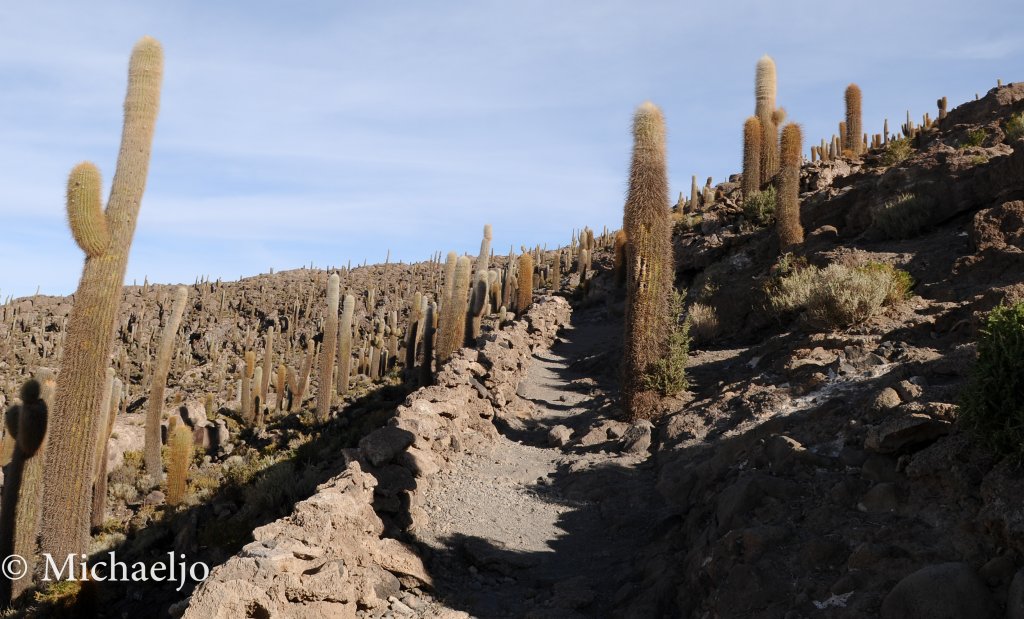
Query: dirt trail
528, 529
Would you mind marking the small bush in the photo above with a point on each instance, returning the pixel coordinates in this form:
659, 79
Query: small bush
902, 217
1015, 127
702, 321
839, 295
897, 151
992, 403
974, 137
759, 207
667, 376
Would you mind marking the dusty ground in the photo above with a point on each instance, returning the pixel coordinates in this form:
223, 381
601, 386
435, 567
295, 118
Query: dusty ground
532, 529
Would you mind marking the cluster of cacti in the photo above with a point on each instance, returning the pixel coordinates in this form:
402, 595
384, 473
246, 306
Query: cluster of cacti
649, 260
454, 307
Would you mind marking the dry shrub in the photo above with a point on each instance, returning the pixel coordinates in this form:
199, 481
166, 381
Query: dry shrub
839, 295
703, 322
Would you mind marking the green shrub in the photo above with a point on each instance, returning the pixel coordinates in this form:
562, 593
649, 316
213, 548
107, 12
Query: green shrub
839, 295
992, 403
759, 206
1015, 127
902, 217
667, 376
896, 151
974, 137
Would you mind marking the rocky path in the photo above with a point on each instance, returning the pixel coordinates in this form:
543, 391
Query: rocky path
543, 521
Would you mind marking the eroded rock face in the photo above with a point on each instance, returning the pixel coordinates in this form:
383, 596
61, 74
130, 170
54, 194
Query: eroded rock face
330, 558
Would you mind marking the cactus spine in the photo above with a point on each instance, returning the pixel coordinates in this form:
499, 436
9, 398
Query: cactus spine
751, 156
791, 233
90, 328
853, 120
154, 465
327, 349
179, 456
649, 264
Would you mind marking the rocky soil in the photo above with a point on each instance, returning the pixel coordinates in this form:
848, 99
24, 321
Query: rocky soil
808, 472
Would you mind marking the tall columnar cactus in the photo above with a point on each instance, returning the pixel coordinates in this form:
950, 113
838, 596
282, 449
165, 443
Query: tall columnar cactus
751, 156
619, 252
327, 349
524, 293
453, 312
765, 86
257, 399
179, 457
268, 364
649, 260
304, 371
478, 304
154, 413
853, 120
694, 195
105, 237
19, 506
248, 370
99, 491
791, 233
429, 330
345, 343
279, 383
485, 250
414, 332
765, 90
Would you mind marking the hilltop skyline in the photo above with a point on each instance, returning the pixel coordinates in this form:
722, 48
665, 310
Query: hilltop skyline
330, 133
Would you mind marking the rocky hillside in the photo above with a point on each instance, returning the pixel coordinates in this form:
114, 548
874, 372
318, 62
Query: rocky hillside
816, 467
819, 471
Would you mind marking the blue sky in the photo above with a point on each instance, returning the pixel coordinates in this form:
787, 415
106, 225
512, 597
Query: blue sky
332, 131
